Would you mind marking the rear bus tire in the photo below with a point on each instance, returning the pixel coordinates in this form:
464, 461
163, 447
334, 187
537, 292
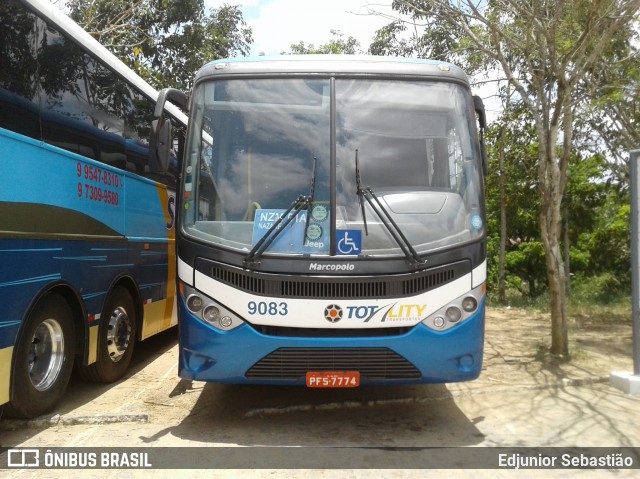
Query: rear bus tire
43, 358
116, 339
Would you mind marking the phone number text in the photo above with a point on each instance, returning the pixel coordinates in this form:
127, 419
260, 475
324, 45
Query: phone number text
96, 193
98, 175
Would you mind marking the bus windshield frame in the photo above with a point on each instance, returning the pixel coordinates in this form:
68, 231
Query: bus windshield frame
257, 145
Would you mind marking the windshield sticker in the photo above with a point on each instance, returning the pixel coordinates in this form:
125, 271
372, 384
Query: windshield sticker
297, 237
319, 213
348, 242
314, 232
476, 222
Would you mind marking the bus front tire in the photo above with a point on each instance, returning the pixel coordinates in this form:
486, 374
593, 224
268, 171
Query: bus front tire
44, 358
116, 339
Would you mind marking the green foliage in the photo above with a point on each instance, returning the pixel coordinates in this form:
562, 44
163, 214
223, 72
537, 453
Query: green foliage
164, 41
390, 40
596, 210
608, 242
422, 34
600, 289
337, 45
611, 111
573, 66
526, 262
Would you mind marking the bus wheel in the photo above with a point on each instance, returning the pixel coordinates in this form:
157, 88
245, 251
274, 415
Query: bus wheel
116, 338
43, 358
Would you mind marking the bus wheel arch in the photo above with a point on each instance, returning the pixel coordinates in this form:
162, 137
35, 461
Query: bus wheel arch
43, 356
131, 286
117, 335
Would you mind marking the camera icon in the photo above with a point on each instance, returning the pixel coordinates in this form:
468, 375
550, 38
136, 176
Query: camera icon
23, 458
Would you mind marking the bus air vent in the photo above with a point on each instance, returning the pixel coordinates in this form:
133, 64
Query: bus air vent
240, 280
294, 363
425, 282
334, 289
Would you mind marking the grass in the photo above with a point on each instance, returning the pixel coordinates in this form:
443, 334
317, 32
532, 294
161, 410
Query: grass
584, 314
617, 309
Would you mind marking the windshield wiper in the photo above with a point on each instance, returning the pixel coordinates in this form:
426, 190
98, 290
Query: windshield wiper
300, 203
312, 193
367, 194
360, 193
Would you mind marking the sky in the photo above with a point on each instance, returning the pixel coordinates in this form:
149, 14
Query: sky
277, 24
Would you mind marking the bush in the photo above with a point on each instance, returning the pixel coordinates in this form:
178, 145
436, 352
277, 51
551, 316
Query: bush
603, 288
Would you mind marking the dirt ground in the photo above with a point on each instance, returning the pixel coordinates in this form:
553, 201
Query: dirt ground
516, 359
517, 345
523, 397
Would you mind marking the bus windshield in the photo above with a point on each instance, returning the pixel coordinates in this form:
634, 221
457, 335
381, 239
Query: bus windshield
256, 146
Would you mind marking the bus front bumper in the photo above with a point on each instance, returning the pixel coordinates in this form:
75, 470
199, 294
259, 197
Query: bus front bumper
209, 354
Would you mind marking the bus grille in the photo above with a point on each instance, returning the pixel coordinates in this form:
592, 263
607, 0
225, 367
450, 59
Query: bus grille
294, 363
334, 287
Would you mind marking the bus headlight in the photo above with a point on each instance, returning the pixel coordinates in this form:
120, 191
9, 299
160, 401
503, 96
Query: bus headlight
453, 314
211, 314
194, 303
208, 310
456, 311
469, 304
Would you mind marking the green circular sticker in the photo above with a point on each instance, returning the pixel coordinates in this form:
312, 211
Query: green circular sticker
314, 232
319, 213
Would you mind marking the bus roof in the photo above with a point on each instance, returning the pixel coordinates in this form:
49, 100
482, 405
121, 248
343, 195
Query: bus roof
333, 64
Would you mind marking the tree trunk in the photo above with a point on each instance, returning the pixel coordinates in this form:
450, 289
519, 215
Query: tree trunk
502, 295
556, 280
551, 184
567, 252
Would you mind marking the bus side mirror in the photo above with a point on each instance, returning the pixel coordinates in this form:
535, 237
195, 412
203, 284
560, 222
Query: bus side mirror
161, 141
161, 137
482, 121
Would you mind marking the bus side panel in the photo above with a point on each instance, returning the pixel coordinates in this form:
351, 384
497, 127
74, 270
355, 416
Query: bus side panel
148, 222
5, 373
46, 175
32, 266
62, 221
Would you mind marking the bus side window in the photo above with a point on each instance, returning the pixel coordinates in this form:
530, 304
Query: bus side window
18, 75
78, 100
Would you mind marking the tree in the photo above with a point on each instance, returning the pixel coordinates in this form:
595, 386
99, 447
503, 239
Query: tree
546, 49
164, 41
420, 33
613, 111
511, 200
336, 45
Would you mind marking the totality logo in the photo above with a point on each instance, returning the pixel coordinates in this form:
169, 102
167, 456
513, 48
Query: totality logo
333, 313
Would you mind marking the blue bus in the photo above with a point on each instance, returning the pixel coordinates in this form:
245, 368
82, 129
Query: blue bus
331, 222
86, 211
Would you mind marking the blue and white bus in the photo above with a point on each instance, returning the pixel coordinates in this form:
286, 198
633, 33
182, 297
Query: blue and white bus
86, 213
331, 223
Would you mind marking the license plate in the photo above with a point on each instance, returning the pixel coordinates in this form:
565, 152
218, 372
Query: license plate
333, 379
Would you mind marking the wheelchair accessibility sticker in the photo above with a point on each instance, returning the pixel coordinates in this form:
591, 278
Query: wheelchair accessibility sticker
348, 242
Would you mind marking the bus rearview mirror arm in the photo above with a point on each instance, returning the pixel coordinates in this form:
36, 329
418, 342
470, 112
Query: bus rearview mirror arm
161, 137
482, 121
